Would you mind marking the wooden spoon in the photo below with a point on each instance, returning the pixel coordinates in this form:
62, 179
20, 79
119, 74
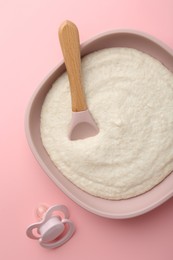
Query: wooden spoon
82, 123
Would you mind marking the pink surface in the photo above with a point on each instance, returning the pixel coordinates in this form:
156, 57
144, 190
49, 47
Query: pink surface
29, 49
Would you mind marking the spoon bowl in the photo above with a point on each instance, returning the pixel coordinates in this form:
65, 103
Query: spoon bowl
82, 125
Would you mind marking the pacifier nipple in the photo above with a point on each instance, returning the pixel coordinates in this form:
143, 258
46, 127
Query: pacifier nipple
40, 211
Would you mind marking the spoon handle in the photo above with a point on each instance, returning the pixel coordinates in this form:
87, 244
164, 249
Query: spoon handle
70, 45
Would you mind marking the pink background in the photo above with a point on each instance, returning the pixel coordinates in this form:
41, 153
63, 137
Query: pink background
29, 49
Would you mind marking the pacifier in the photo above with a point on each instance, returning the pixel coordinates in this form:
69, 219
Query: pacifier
52, 230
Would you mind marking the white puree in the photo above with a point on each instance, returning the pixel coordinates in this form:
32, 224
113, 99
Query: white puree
130, 96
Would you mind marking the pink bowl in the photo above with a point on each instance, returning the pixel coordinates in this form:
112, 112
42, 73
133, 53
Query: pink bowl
106, 208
